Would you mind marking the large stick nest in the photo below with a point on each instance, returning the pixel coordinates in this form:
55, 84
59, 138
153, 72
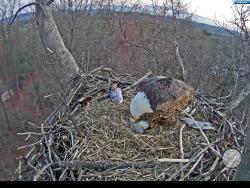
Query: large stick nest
89, 138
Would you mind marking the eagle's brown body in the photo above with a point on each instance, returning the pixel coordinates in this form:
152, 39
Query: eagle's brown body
168, 98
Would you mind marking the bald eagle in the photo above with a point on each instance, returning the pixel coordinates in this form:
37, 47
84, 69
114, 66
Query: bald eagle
161, 100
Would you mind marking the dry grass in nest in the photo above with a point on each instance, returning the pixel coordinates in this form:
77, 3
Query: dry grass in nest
96, 142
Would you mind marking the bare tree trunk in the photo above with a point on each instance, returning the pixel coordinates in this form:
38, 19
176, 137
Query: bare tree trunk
243, 94
5, 113
180, 61
63, 62
243, 173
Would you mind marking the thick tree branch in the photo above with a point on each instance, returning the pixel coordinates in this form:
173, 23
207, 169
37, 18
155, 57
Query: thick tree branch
64, 63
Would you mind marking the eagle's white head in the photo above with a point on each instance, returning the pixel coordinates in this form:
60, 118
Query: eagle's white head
140, 105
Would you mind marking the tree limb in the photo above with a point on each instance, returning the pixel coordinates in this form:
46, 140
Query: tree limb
180, 61
21, 8
243, 94
104, 165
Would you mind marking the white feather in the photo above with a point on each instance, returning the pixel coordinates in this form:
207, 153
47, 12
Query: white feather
140, 105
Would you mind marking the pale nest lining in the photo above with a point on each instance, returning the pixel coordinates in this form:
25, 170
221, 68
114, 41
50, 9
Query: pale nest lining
96, 142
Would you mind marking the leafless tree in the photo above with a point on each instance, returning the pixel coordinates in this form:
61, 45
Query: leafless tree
62, 61
240, 30
6, 12
74, 8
